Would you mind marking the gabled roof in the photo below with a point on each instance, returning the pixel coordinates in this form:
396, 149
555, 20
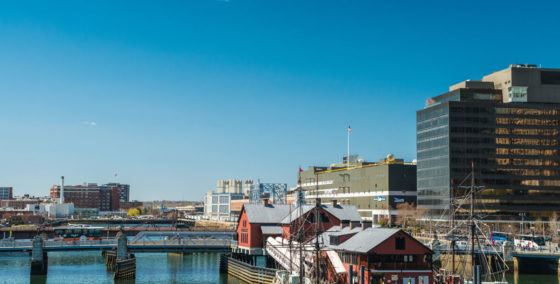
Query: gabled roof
366, 240
270, 214
341, 212
325, 238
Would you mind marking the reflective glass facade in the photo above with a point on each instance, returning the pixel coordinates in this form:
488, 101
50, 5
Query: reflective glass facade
432, 136
514, 147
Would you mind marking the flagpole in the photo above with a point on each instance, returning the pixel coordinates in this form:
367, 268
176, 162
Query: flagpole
348, 152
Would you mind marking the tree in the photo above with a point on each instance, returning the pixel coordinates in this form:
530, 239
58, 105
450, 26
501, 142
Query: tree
405, 211
133, 212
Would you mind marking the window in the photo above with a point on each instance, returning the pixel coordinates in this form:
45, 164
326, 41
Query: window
400, 243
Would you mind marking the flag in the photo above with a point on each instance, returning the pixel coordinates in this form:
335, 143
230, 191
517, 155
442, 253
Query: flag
492, 239
349, 129
115, 174
300, 169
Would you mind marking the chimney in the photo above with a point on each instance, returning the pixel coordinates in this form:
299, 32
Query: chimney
354, 224
366, 224
62, 190
333, 203
265, 202
344, 224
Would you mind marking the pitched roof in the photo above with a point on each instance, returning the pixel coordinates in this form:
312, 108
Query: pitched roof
366, 240
271, 214
272, 230
341, 212
325, 238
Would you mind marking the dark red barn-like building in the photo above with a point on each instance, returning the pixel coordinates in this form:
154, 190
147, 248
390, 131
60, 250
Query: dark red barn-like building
259, 221
384, 255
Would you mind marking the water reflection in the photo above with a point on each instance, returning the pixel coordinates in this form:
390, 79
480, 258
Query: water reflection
89, 267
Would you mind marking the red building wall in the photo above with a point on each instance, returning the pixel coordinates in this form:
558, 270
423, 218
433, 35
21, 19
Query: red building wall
248, 235
309, 227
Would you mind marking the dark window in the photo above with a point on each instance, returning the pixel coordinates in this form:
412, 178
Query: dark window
333, 240
311, 218
399, 243
550, 77
324, 218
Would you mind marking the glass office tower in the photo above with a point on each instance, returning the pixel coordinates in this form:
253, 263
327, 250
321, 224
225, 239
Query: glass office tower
512, 142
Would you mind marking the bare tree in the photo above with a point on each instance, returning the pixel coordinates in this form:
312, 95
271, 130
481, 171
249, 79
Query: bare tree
405, 211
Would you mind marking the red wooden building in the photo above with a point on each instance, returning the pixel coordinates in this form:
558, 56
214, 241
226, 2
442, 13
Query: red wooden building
386, 255
258, 221
329, 215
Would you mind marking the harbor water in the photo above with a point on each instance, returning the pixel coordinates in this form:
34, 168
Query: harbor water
89, 267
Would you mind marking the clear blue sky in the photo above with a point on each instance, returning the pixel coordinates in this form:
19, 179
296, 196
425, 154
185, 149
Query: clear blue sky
173, 95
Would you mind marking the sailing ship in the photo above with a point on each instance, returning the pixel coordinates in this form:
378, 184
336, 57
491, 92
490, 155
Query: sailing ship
466, 255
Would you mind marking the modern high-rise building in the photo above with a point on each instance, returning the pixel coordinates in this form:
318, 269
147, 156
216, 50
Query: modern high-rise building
6, 193
505, 126
377, 189
124, 190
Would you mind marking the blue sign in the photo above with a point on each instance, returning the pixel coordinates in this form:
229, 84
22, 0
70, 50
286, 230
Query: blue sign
398, 199
379, 198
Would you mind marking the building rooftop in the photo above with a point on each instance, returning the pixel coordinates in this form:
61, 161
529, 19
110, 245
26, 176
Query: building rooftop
270, 214
342, 212
366, 240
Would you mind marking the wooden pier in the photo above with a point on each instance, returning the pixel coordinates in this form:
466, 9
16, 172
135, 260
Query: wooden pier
246, 272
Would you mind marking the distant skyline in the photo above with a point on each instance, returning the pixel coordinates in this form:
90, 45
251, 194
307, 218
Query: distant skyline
172, 96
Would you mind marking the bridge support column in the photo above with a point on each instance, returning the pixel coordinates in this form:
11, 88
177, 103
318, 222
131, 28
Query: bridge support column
39, 258
124, 262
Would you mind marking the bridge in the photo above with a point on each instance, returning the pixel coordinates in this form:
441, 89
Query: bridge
170, 241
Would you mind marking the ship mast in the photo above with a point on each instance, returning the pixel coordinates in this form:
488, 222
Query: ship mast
317, 224
452, 228
471, 215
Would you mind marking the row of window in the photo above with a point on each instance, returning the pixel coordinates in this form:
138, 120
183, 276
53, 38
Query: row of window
244, 238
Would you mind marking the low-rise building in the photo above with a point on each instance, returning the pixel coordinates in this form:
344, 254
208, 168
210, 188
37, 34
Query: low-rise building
220, 205
259, 221
382, 254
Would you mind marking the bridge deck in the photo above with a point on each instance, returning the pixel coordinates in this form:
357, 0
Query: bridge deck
144, 242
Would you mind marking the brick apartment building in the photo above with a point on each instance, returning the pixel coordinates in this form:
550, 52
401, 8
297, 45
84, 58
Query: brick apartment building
91, 196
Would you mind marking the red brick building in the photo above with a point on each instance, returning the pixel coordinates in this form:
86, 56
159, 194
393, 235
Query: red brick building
386, 255
91, 195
